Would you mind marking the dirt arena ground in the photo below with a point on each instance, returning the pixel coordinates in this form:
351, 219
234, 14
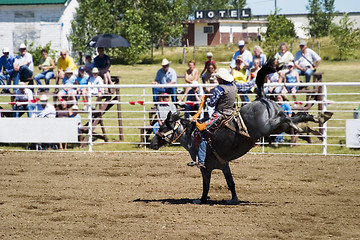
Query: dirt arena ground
149, 195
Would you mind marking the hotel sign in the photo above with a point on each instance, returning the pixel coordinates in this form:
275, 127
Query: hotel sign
223, 14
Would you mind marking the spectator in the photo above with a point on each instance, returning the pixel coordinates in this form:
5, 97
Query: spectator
283, 57
47, 66
102, 62
239, 72
306, 61
292, 76
209, 76
7, 68
193, 99
82, 80
63, 112
209, 56
165, 75
258, 53
96, 80
74, 113
244, 53
23, 65
287, 109
63, 63
251, 79
23, 101
162, 110
191, 75
273, 78
89, 65
69, 79
44, 109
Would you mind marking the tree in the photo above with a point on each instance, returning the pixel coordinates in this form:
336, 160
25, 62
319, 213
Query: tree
140, 22
345, 36
279, 29
320, 17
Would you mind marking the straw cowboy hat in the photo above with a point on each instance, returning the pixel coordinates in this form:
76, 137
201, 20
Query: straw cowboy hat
68, 70
165, 62
95, 70
43, 98
224, 74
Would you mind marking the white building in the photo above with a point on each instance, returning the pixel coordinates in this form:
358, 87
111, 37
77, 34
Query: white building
37, 21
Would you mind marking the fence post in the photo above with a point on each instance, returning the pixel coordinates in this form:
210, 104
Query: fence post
324, 132
90, 119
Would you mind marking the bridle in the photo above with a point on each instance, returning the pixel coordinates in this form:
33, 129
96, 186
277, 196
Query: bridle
171, 133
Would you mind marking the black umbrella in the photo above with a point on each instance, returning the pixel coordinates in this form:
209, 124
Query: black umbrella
108, 41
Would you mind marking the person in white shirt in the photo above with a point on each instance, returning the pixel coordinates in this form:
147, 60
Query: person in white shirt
245, 55
96, 80
23, 65
44, 109
306, 61
23, 101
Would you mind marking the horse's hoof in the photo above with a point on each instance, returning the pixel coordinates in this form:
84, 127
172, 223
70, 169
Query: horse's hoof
196, 201
232, 202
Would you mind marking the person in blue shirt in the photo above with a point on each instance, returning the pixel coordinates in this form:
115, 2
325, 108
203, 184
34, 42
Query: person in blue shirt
6, 68
82, 79
68, 79
165, 75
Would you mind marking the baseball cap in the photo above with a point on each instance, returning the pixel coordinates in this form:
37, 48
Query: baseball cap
81, 69
302, 43
241, 43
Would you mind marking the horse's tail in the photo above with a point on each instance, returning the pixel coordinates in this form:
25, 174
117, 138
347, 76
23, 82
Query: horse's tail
268, 68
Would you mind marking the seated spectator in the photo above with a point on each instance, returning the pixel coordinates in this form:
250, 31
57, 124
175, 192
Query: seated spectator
287, 109
306, 61
258, 53
74, 113
244, 53
191, 75
69, 79
93, 81
7, 68
251, 78
47, 66
292, 76
82, 80
240, 71
63, 63
209, 76
165, 75
89, 65
193, 99
23, 101
102, 62
23, 65
283, 57
63, 112
162, 110
273, 78
209, 56
44, 109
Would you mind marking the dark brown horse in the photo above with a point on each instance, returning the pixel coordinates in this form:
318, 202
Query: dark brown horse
262, 117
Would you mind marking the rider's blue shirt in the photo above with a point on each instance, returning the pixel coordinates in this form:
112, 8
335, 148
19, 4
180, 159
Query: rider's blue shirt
217, 93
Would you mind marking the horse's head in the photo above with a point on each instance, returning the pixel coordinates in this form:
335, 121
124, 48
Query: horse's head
168, 131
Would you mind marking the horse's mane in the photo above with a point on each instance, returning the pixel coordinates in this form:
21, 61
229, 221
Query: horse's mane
268, 68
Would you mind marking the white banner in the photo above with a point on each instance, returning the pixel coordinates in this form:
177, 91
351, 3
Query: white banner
353, 133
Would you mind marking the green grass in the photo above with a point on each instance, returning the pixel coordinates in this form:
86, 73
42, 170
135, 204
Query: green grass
334, 71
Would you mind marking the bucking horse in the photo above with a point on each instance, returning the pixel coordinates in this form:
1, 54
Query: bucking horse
234, 137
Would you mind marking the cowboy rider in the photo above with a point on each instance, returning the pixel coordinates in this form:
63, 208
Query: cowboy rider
223, 99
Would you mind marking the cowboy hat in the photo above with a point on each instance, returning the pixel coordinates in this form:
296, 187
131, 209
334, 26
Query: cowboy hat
225, 75
165, 62
95, 70
43, 98
68, 70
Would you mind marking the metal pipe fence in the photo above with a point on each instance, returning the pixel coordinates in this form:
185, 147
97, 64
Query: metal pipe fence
121, 119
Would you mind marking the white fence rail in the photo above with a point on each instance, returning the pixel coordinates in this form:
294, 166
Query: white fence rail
121, 119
